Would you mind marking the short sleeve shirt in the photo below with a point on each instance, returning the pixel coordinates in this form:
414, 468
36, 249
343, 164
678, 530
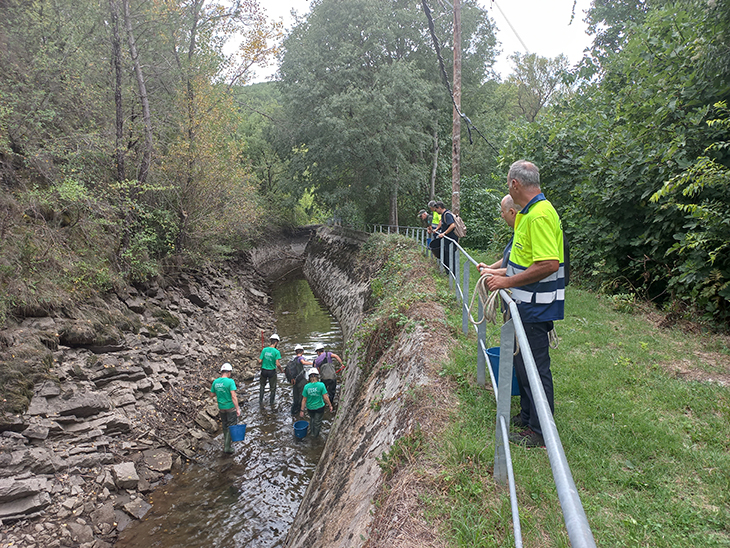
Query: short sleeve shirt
222, 387
268, 357
314, 392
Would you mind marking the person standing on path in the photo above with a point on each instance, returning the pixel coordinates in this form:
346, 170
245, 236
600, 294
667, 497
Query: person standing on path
446, 228
536, 277
270, 360
425, 218
314, 399
223, 390
327, 371
297, 376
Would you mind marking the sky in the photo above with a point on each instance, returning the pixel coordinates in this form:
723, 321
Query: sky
543, 26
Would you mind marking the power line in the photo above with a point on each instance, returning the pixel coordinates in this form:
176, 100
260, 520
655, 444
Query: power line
510, 26
437, 47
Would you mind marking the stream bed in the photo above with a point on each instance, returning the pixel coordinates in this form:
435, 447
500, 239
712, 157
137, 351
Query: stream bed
251, 497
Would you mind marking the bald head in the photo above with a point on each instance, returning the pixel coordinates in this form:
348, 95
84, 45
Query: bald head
509, 210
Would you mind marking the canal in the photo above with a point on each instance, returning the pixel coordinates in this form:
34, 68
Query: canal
248, 499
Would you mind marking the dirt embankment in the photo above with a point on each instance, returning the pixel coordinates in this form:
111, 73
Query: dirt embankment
392, 397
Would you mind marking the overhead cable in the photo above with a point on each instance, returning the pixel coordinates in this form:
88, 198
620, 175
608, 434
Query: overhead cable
437, 47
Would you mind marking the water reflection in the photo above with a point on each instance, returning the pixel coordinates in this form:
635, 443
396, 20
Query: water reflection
249, 499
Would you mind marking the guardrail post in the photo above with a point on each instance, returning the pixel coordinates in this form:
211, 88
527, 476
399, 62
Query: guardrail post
465, 302
481, 354
441, 261
504, 399
453, 268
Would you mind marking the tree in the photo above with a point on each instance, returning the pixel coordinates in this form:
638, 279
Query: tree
539, 81
362, 90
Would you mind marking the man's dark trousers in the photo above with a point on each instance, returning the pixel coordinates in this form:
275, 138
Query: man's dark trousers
537, 336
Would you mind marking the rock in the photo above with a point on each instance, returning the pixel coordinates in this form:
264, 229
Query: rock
48, 389
158, 460
123, 520
125, 475
25, 506
77, 333
80, 404
80, 533
206, 423
12, 489
137, 508
36, 431
104, 514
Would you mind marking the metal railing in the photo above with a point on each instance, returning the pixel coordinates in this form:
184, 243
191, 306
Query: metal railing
576, 522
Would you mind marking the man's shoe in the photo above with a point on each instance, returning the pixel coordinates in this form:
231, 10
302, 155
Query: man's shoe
527, 438
516, 421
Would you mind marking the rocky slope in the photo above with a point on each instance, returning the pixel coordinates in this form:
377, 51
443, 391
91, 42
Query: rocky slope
125, 400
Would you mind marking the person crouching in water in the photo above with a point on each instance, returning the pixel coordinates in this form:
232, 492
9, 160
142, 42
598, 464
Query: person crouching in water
314, 397
224, 390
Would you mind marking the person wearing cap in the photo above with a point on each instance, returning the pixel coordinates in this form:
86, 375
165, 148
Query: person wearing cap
223, 390
327, 371
314, 398
425, 218
297, 376
270, 360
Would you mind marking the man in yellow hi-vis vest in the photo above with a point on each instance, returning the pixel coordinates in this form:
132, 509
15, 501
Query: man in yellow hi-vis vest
536, 276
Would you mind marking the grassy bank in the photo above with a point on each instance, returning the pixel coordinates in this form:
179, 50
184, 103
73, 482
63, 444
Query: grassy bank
644, 422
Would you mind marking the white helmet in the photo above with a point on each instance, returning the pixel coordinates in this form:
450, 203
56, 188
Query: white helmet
298, 347
313, 371
226, 367
275, 337
319, 347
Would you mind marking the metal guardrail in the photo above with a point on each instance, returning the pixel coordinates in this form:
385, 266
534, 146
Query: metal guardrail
576, 522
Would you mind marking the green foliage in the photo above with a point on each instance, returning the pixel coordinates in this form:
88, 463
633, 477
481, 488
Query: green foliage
608, 150
702, 249
363, 99
404, 450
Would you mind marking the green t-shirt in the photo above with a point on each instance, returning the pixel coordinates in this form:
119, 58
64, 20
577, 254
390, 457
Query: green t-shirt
222, 387
268, 357
314, 392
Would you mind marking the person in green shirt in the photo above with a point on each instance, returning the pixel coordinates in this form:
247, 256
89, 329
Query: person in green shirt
223, 390
270, 360
314, 397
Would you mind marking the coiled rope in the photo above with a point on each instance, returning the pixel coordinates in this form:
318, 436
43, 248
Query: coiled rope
490, 300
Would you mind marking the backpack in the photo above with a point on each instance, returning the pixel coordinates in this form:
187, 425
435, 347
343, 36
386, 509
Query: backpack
459, 225
292, 369
326, 369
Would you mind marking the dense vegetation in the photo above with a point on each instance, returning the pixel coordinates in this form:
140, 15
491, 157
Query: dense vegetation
129, 141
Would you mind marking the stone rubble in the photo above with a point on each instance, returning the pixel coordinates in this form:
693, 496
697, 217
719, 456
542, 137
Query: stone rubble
129, 404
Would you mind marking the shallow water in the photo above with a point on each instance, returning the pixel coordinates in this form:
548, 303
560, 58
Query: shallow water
250, 498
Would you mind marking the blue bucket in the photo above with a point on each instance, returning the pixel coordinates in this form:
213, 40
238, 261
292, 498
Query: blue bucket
493, 354
300, 428
238, 432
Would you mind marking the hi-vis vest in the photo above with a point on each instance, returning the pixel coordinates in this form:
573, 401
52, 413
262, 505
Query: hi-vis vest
538, 237
435, 220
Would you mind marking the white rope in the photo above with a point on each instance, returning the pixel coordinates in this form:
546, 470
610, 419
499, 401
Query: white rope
490, 301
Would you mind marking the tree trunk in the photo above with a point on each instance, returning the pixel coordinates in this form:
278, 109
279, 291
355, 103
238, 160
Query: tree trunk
393, 218
456, 137
117, 62
147, 152
435, 161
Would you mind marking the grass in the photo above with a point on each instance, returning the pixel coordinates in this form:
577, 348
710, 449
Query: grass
648, 450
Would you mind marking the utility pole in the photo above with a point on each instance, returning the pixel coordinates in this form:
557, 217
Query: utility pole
456, 131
